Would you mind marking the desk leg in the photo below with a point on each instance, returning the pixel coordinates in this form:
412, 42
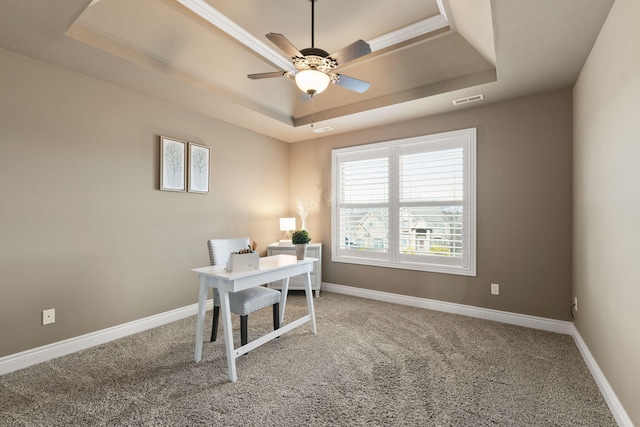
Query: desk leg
309, 292
225, 311
283, 298
202, 308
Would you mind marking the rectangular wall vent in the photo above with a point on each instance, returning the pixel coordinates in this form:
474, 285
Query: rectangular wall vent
468, 99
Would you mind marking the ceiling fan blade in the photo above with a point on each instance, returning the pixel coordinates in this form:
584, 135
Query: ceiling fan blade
284, 44
352, 84
267, 75
349, 53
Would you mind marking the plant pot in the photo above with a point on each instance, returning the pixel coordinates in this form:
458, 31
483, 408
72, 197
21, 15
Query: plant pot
301, 251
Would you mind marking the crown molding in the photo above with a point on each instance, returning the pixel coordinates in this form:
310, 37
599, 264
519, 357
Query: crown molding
409, 32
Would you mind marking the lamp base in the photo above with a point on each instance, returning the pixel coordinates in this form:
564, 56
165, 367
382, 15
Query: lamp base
287, 236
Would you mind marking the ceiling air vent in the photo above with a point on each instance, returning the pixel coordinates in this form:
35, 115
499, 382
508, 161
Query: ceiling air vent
468, 99
322, 130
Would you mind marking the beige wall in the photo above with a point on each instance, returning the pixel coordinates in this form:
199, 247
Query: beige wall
83, 226
607, 203
524, 207
84, 229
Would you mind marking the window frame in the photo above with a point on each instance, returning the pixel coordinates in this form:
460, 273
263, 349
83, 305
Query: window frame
465, 265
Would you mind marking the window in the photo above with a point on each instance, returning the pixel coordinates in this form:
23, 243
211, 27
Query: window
407, 204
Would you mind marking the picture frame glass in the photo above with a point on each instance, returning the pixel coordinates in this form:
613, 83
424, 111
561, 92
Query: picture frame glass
172, 164
199, 168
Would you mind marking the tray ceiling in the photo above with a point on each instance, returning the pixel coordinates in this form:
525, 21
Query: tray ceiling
426, 53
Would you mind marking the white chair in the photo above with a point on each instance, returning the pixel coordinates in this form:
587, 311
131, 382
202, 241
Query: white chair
244, 302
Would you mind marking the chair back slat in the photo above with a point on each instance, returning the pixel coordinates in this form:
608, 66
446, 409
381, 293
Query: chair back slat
220, 249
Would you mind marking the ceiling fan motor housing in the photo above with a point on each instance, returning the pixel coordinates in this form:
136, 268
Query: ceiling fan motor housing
314, 59
315, 52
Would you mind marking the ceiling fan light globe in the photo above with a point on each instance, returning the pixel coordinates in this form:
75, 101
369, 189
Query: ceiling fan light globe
312, 82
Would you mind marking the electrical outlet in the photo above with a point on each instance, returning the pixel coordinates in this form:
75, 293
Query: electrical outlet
575, 304
48, 316
495, 289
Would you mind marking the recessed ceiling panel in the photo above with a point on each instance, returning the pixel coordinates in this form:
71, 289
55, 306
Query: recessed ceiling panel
337, 22
170, 38
160, 35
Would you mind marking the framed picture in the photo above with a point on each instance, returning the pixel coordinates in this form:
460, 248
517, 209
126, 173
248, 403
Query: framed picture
172, 164
199, 165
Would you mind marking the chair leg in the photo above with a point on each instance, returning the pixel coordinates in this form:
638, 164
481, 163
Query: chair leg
243, 329
276, 316
214, 330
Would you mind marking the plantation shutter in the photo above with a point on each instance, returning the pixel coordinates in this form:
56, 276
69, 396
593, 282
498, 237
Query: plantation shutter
407, 204
431, 202
364, 202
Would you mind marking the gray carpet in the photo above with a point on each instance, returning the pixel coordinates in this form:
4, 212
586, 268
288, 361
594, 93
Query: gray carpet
372, 363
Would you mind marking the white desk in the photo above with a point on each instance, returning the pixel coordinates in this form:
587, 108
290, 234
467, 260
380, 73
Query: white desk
272, 268
314, 250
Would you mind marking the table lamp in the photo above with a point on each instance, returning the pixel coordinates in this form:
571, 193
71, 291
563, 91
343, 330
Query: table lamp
286, 225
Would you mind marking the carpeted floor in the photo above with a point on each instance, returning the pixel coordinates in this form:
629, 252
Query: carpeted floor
372, 363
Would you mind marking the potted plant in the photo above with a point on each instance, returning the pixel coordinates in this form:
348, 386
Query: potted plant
301, 239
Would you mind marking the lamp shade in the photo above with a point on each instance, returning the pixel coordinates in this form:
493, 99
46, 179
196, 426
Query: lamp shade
287, 224
312, 81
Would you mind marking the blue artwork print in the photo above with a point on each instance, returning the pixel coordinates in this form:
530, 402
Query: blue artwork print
199, 169
173, 161
199, 164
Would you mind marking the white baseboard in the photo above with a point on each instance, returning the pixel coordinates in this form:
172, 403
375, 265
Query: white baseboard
621, 416
551, 325
27, 358
534, 322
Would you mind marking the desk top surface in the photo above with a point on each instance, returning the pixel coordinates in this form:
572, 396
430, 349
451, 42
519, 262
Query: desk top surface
269, 263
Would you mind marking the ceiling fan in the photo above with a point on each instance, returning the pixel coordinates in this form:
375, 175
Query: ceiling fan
315, 68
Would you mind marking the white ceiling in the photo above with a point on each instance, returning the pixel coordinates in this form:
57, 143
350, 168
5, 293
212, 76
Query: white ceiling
426, 53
